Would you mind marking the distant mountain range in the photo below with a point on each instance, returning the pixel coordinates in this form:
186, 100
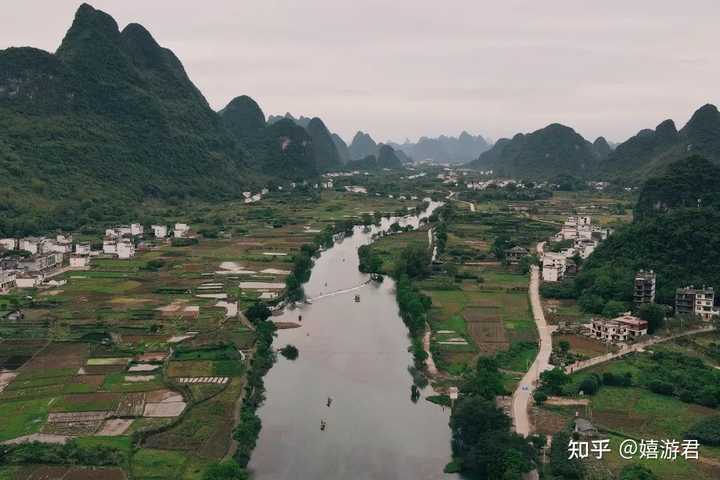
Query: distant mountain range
559, 150
445, 150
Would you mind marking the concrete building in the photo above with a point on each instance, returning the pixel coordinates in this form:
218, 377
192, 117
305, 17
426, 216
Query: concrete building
125, 249
644, 291
136, 229
7, 280
30, 244
160, 231
28, 280
696, 301
8, 243
109, 246
553, 266
181, 230
41, 263
618, 330
82, 249
78, 261
515, 254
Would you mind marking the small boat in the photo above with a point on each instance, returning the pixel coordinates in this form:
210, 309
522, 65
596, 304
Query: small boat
329, 401
323, 424
357, 298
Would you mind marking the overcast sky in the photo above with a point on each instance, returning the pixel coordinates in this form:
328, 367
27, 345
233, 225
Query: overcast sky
406, 68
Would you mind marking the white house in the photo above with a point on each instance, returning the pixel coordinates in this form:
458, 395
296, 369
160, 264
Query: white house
7, 280
77, 261
82, 249
26, 280
30, 244
125, 249
8, 243
110, 247
553, 266
181, 230
136, 229
621, 329
160, 231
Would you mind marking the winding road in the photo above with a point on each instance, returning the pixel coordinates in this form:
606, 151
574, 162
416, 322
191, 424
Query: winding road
522, 395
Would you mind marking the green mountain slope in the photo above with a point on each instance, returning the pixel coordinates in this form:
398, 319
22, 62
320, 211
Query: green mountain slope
107, 121
362, 146
545, 153
671, 235
651, 151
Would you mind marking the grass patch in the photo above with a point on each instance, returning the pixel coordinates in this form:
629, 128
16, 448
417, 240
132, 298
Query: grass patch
22, 418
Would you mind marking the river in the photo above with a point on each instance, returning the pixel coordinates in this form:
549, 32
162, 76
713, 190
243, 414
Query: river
356, 353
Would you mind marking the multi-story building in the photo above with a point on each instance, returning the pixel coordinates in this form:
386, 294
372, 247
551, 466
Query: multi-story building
181, 229
7, 280
621, 329
41, 263
8, 243
515, 254
82, 249
160, 231
696, 301
553, 266
644, 287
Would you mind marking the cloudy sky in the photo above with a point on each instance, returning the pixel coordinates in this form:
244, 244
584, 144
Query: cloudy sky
406, 68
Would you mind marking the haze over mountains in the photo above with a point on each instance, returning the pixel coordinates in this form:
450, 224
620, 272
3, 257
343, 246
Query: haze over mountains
112, 118
557, 149
445, 150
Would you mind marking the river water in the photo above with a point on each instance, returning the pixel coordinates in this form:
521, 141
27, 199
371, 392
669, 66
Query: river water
356, 353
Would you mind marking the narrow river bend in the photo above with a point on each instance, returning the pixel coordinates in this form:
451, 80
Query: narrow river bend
356, 353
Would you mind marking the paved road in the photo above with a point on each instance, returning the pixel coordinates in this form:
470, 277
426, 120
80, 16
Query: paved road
523, 393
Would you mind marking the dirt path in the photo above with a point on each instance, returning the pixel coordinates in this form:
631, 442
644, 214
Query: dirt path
429, 361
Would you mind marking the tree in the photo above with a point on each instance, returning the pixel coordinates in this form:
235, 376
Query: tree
613, 308
654, 314
637, 472
229, 470
564, 346
500, 244
483, 442
552, 381
486, 381
540, 397
258, 312
414, 262
591, 303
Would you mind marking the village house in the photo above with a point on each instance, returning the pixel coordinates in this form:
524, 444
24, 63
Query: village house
644, 291
553, 266
41, 263
82, 249
696, 301
515, 254
109, 246
618, 330
79, 262
125, 249
30, 244
160, 231
181, 230
8, 243
28, 280
7, 280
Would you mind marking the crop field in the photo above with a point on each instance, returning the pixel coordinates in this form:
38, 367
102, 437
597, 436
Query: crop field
92, 356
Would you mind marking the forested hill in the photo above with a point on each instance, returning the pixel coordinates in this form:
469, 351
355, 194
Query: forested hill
673, 234
109, 119
545, 153
644, 154
112, 119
